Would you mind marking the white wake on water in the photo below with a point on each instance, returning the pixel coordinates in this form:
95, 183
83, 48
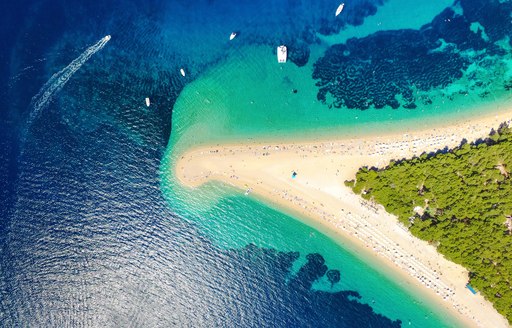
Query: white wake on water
59, 79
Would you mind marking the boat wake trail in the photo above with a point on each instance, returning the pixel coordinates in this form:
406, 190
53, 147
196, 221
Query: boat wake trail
59, 79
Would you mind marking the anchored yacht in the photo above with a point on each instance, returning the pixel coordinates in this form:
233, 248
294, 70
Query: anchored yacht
281, 54
340, 9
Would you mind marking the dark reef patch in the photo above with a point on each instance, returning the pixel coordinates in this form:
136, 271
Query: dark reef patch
494, 16
333, 276
386, 68
319, 306
376, 69
299, 53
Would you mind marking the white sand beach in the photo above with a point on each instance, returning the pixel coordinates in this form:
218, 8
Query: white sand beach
318, 194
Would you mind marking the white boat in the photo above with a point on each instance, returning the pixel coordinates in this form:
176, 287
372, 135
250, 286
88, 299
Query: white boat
232, 36
340, 9
182, 71
147, 102
281, 54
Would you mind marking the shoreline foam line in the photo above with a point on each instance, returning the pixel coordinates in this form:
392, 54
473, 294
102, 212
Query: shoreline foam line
318, 193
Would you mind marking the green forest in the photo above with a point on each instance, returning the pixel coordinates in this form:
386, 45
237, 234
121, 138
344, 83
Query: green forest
460, 201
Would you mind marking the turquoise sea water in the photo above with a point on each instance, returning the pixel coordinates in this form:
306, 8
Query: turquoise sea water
249, 96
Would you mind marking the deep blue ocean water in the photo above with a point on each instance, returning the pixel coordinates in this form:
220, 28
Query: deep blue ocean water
86, 236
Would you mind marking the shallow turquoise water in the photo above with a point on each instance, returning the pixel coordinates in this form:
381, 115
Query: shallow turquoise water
250, 95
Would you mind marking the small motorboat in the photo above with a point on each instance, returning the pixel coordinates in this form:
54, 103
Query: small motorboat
147, 102
232, 36
281, 54
340, 9
182, 71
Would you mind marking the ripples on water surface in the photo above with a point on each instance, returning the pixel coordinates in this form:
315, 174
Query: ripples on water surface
87, 237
